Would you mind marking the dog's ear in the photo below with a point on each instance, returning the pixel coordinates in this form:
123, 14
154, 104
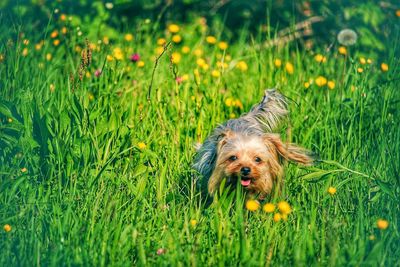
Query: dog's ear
223, 138
287, 150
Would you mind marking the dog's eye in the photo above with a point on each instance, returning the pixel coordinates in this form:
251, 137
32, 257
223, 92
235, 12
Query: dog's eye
232, 158
257, 159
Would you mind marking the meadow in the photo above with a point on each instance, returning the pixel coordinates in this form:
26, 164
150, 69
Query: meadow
98, 134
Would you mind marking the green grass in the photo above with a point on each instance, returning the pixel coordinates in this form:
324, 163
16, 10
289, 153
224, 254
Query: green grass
91, 196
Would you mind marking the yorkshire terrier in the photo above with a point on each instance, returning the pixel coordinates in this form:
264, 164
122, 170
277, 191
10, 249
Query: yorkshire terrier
247, 149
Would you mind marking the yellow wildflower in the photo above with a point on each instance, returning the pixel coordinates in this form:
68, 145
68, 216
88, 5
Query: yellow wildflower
398, 12
52, 87
278, 63
176, 38
222, 65
106, 40
306, 84
284, 216
363, 61
284, 207
342, 50
56, 42
360, 70
242, 66
161, 41
269, 208
331, 84
320, 81
173, 28
382, 224
176, 57
117, 53
128, 37
369, 61
185, 49
198, 52
277, 217
215, 73
54, 34
252, 205
205, 67
384, 67
25, 52
201, 62
159, 50
24, 169
140, 63
320, 58
223, 45
7, 228
63, 17
229, 102
64, 30
193, 223
211, 40
141, 145
289, 68
25, 41
332, 190
109, 58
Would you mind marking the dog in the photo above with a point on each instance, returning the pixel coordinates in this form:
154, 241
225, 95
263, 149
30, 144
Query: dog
247, 150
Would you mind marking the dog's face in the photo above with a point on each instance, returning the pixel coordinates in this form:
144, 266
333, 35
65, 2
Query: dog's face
254, 160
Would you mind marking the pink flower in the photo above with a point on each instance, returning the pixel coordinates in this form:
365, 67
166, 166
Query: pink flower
135, 57
97, 73
160, 251
179, 79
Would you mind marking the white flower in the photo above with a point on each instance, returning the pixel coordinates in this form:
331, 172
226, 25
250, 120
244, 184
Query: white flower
347, 37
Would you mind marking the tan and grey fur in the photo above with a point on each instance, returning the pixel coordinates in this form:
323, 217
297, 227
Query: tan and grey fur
246, 148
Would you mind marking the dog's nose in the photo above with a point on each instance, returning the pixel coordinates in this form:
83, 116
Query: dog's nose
245, 170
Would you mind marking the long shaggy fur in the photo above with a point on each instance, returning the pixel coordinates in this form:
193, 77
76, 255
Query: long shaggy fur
257, 124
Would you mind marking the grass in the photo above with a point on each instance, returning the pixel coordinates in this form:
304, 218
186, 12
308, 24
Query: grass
94, 173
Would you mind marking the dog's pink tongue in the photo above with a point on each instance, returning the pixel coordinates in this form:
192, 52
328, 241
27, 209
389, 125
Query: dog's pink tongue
245, 182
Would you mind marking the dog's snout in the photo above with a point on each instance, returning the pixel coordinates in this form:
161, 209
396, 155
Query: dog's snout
245, 170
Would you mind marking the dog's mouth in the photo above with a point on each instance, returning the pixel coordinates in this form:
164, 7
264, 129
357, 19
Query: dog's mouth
245, 181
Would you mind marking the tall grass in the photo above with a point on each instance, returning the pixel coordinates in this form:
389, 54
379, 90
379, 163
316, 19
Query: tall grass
78, 189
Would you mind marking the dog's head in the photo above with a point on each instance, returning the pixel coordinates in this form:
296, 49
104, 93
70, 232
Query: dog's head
253, 160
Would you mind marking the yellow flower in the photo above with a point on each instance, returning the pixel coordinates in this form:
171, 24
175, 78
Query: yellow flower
90, 96
48, 56
140, 63
24, 169
161, 41
176, 57
289, 68
25, 52
117, 53
64, 30
63, 17
384, 67
78, 48
141, 145
159, 50
176, 38
284, 207
25, 41
331, 84
360, 70
242, 66
87, 74
228, 57
128, 37
306, 84
284, 216
269, 208
238, 103
320, 81
398, 12
232, 116
7, 228
277, 217
211, 40
193, 223
222, 65
369, 61
252, 205
215, 73
223, 45
205, 67
106, 40
201, 62
382, 224
52, 87
353, 88
173, 28
320, 58
229, 102
185, 77
342, 50
198, 52
362, 60
185, 49
332, 190
10, 120
109, 58
54, 34
278, 63
2, 57
56, 42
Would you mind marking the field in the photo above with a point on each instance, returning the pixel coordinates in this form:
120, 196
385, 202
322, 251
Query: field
98, 134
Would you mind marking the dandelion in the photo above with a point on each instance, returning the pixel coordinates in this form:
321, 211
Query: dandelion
173, 28
269, 208
369, 61
193, 223
64, 30
229, 102
159, 50
25, 41
284, 207
140, 64
347, 37
205, 67
176, 38
106, 40
63, 17
161, 41
109, 5
384, 67
398, 12
117, 53
242, 66
141, 145
382, 224
320, 58
238, 103
110, 58
277, 217
200, 62
252, 205
320, 81
284, 216
306, 85
2, 57
363, 61
232, 116
128, 37
278, 63
332, 190
54, 34
7, 228
224, 65
52, 87
176, 57
342, 50
10, 120
223, 45
56, 42
185, 49
331, 85
215, 73
135, 57
289, 68
25, 52
211, 39
198, 52
24, 170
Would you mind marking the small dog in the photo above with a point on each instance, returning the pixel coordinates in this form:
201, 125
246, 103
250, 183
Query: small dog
247, 149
